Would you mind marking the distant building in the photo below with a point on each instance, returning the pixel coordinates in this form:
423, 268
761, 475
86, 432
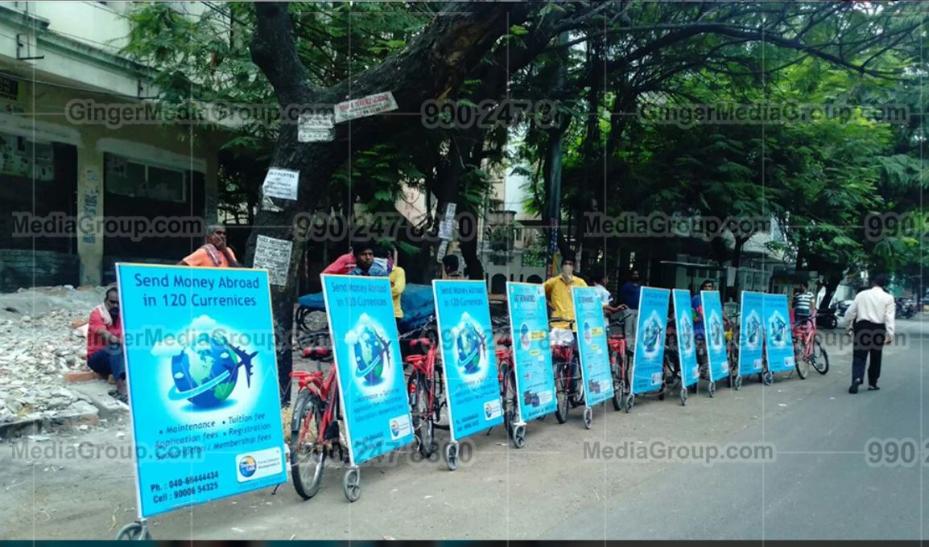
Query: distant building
62, 79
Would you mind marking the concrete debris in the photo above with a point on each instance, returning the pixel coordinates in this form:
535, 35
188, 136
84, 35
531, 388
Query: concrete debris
38, 345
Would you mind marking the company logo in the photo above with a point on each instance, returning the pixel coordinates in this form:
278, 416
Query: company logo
248, 466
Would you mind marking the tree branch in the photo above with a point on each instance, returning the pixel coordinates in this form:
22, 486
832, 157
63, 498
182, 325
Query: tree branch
274, 51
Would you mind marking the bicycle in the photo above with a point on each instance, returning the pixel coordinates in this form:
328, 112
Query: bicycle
506, 375
315, 431
731, 328
620, 357
808, 351
424, 388
569, 392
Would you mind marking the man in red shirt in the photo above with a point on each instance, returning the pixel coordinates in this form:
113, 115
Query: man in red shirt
105, 342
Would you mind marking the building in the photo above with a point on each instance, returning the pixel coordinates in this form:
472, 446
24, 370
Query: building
512, 240
84, 182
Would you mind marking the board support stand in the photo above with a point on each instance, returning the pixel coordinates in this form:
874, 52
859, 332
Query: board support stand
134, 531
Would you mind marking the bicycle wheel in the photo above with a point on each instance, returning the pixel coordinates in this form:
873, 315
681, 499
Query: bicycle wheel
423, 425
801, 362
562, 396
510, 410
618, 382
819, 358
307, 455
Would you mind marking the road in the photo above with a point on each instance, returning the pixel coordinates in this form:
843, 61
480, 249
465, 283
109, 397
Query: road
817, 484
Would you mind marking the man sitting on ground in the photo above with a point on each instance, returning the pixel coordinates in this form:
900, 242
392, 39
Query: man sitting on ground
105, 342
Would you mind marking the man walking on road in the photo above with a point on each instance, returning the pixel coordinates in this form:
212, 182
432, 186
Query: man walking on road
871, 318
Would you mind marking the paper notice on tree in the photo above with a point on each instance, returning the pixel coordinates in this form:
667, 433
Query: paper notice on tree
365, 106
443, 250
446, 229
273, 255
281, 183
316, 127
450, 211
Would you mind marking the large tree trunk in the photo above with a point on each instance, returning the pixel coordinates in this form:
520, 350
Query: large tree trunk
832, 283
592, 183
432, 66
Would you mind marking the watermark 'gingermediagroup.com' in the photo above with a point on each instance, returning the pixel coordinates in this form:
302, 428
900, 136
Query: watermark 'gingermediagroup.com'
62, 451
661, 450
661, 225
763, 113
114, 115
136, 228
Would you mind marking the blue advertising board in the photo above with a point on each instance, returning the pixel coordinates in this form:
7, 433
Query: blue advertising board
779, 348
466, 339
751, 333
684, 330
202, 377
370, 371
532, 355
715, 334
651, 330
591, 341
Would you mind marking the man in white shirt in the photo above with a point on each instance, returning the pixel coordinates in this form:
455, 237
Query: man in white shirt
871, 318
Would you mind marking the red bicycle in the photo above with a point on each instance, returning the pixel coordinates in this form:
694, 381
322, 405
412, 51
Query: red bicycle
620, 358
506, 375
424, 392
808, 351
315, 429
569, 392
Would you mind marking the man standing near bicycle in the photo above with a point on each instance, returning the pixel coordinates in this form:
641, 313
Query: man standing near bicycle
600, 280
629, 295
871, 319
558, 293
696, 302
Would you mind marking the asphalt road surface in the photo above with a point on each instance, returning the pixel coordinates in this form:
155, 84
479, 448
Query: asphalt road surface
804, 473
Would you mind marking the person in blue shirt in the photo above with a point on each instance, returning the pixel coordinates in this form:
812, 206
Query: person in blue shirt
629, 296
699, 328
364, 261
629, 292
697, 304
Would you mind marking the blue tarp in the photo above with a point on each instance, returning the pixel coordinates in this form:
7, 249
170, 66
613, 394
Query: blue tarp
416, 301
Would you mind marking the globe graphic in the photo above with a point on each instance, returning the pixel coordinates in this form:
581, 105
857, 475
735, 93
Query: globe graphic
470, 348
370, 355
206, 373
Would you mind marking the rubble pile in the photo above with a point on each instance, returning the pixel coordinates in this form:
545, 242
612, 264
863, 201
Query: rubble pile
38, 345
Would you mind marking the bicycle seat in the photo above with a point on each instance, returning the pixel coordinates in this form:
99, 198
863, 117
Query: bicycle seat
305, 376
503, 354
423, 343
563, 353
415, 359
317, 352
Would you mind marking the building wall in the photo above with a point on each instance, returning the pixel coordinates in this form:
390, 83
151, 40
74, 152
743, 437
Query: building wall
39, 113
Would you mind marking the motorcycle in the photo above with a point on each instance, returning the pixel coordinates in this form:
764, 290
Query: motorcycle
906, 308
